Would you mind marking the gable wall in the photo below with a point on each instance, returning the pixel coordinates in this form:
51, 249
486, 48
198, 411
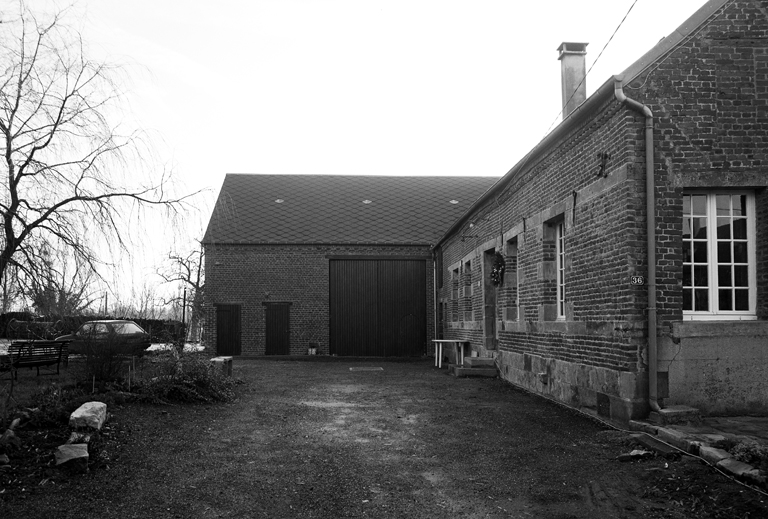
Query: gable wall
250, 275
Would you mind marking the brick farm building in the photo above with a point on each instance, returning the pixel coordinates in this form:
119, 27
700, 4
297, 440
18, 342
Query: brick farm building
621, 266
341, 262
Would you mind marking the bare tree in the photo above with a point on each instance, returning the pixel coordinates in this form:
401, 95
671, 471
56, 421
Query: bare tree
71, 177
146, 303
186, 270
61, 289
11, 292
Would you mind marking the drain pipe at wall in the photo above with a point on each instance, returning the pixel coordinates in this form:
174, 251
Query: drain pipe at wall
434, 293
650, 196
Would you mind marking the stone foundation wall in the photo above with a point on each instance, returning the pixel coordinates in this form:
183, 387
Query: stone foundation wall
612, 394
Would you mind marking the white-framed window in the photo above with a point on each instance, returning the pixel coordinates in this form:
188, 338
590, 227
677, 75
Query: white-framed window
560, 263
719, 255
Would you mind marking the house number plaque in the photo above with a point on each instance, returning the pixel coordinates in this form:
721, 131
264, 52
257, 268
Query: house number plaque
637, 280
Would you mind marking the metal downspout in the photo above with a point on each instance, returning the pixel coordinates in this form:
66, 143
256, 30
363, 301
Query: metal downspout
650, 199
434, 293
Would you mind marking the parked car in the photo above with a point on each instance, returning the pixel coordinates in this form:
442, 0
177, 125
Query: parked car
120, 337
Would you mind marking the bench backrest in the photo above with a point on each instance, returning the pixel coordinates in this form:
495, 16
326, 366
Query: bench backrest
37, 350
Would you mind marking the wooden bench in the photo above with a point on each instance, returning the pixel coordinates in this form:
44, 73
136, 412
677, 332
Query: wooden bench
35, 354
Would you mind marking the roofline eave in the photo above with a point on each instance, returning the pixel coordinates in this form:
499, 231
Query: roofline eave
580, 113
602, 94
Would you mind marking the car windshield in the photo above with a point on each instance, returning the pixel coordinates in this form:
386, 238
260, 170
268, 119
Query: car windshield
91, 328
127, 328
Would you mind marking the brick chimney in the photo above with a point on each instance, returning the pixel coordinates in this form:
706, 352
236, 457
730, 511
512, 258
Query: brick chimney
573, 71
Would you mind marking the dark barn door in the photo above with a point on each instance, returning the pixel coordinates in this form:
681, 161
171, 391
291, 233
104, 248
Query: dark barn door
378, 307
228, 329
278, 328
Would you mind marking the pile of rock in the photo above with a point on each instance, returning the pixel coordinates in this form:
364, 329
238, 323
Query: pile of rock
85, 423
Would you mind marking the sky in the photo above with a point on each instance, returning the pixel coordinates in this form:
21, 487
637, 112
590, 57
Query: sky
360, 87
355, 87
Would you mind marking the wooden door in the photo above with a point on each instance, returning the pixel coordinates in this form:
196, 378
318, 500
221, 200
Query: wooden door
378, 307
228, 329
490, 298
277, 317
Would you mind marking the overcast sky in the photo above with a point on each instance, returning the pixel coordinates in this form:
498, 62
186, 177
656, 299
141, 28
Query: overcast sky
357, 87
360, 87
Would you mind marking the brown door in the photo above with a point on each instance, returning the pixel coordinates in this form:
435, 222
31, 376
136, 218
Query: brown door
278, 328
228, 329
378, 307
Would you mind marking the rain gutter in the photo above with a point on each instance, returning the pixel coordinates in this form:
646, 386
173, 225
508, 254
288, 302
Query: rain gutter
650, 211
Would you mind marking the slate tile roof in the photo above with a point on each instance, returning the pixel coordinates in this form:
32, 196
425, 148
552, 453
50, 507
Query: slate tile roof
339, 209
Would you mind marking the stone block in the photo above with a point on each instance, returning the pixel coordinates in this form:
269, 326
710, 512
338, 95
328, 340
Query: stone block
735, 467
626, 409
224, 363
713, 455
587, 397
479, 362
674, 437
677, 414
90, 415
475, 372
637, 425
632, 385
73, 456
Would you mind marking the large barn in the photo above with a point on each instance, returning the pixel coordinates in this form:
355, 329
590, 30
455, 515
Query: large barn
343, 262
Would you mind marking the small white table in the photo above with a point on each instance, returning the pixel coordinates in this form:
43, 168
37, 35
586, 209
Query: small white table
457, 344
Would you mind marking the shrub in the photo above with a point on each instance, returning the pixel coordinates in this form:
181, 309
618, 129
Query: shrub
54, 404
186, 377
105, 363
752, 452
747, 451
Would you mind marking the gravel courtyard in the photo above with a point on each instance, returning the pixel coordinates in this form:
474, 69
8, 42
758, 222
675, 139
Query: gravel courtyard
378, 439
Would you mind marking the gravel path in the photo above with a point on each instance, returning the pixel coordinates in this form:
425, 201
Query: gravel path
315, 439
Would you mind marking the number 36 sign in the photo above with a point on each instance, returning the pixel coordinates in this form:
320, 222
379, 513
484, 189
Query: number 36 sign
637, 280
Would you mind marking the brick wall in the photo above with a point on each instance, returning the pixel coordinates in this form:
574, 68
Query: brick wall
252, 275
709, 98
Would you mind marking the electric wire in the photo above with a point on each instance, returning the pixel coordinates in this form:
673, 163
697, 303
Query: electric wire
525, 159
593, 64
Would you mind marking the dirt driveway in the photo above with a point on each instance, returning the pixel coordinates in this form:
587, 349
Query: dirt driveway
319, 439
